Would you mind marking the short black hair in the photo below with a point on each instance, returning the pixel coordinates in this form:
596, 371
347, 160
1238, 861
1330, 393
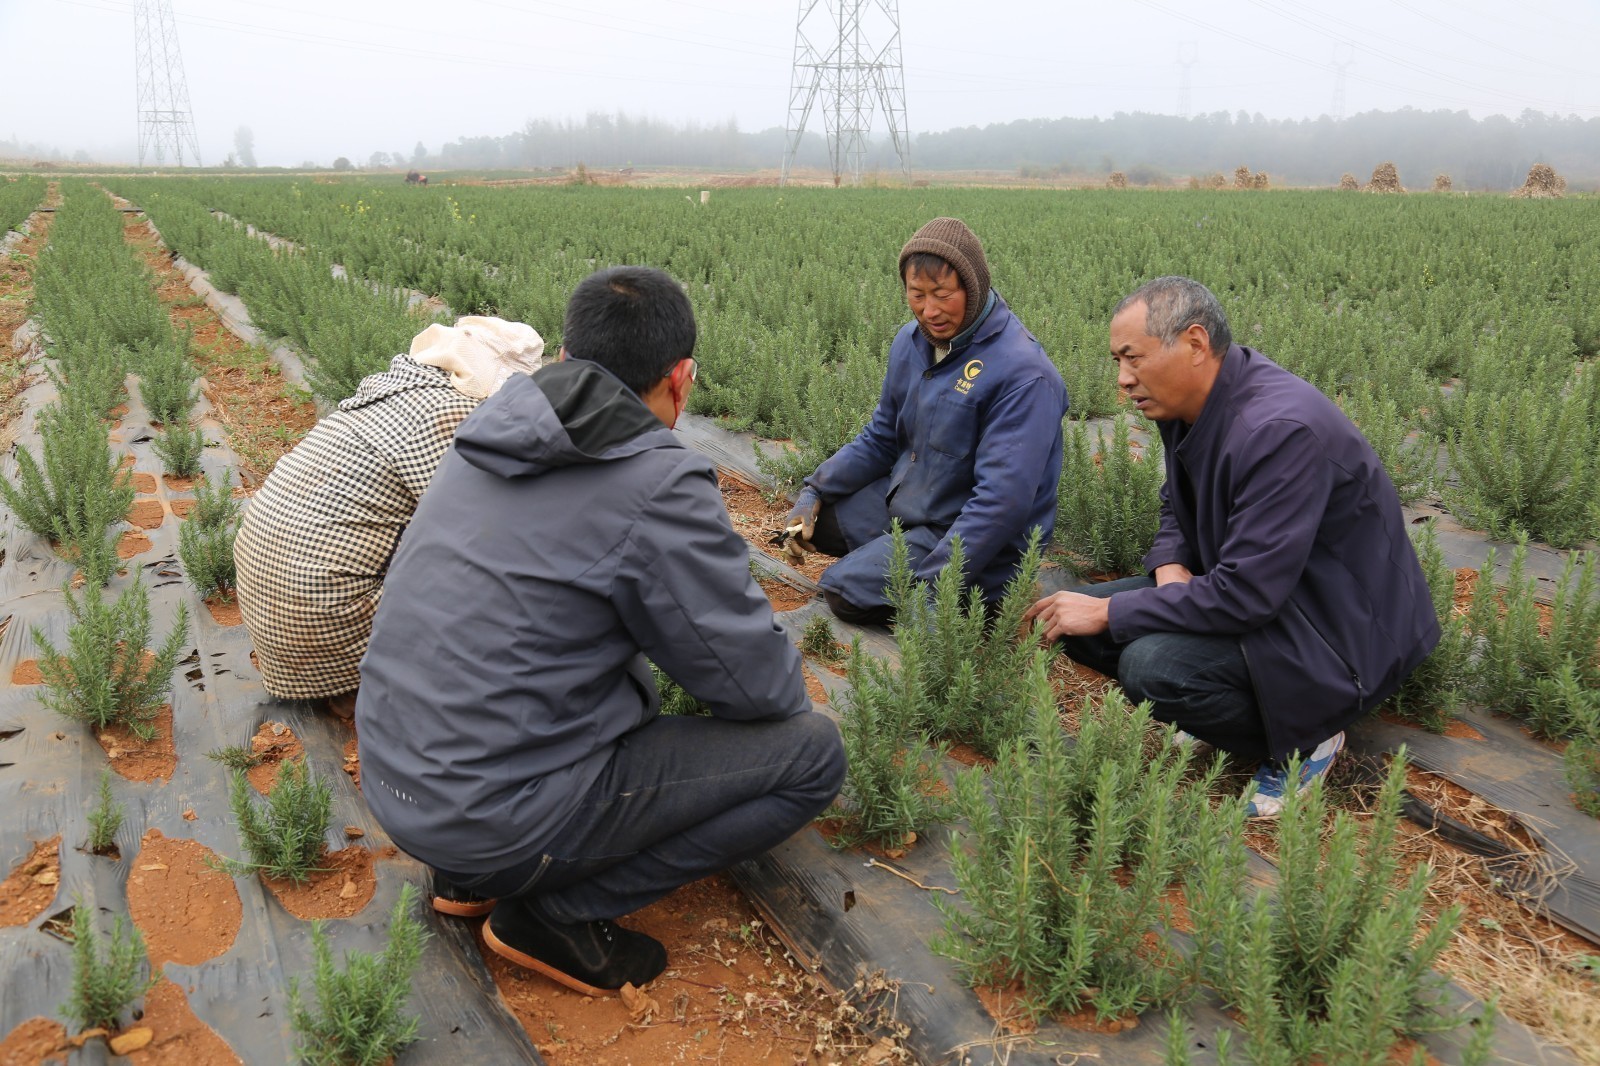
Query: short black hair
634, 321
929, 266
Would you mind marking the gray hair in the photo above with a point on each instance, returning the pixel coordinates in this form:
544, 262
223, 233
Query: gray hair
1172, 304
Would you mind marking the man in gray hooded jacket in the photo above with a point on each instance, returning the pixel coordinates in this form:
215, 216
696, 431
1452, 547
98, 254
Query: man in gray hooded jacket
510, 734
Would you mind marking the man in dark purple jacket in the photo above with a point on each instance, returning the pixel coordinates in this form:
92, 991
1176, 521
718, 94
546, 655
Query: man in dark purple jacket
1284, 600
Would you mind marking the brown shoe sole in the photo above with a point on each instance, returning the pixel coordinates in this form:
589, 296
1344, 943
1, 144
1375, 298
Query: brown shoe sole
506, 951
462, 908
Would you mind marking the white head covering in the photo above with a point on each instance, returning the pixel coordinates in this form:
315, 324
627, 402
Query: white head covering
480, 353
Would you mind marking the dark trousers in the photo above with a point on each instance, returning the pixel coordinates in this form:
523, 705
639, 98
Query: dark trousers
828, 538
681, 799
1198, 682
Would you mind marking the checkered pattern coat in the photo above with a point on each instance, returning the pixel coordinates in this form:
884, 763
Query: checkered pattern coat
317, 537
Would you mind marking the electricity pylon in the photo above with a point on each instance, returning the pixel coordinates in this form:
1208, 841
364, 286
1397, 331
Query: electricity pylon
1344, 54
166, 125
837, 62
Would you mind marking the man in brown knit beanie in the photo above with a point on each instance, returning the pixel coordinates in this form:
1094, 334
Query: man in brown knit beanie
965, 441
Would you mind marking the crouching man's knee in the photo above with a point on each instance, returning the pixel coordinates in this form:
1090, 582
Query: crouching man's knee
819, 756
846, 611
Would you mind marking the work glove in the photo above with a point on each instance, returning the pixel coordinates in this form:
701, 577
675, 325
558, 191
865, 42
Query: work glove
801, 524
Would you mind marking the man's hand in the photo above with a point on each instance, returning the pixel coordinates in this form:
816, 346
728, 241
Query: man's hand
1071, 614
1172, 573
801, 525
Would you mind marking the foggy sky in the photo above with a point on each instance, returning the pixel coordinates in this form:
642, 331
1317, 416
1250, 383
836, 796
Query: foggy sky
314, 80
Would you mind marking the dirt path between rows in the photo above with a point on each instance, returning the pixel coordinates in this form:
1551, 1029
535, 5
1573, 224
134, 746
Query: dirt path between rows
16, 303
261, 413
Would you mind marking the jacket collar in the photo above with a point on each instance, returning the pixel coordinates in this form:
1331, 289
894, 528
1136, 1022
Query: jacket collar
1214, 416
993, 319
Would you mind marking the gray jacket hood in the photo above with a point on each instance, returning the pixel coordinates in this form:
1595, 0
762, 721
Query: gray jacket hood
567, 414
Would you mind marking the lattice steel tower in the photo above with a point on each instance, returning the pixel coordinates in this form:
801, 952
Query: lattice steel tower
1344, 54
166, 125
844, 78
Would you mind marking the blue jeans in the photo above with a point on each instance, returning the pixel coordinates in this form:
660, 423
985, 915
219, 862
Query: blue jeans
682, 798
1198, 682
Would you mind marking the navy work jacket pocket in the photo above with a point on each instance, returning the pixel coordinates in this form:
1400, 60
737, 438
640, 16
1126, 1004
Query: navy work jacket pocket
953, 428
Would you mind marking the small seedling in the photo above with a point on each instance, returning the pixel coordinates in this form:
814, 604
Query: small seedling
1300, 969
1583, 762
76, 490
892, 790
166, 379
1542, 665
105, 819
87, 537
90, 373
179, 447
818, 641
106, 977
674, 699
1070, 854
235, 757
107, 676
205, 541
360, 1015
1439, 685
207, 556
214, 504
284, 834
1108, 507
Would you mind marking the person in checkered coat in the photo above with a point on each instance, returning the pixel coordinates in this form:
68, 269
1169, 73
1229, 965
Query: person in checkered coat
317, 537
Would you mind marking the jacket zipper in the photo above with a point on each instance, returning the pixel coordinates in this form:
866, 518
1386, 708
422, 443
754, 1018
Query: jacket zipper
1361, 694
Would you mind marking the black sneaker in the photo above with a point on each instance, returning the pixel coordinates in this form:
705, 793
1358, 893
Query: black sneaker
595, 958
448, 899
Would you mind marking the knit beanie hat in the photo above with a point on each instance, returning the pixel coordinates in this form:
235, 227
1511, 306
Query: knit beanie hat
952, 241
479, 352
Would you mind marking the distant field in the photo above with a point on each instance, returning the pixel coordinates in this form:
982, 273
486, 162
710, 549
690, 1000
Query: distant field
1377, 300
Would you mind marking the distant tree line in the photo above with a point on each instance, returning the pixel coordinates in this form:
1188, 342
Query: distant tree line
1489, 153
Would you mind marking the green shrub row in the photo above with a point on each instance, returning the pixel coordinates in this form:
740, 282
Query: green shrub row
346, 328
19, 197
1509, 652
101, 319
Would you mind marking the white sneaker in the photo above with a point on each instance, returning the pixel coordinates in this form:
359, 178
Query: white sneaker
1196, 746
1272, 781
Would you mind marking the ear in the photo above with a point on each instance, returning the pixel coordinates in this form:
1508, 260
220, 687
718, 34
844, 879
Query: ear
679, 379
1198, 343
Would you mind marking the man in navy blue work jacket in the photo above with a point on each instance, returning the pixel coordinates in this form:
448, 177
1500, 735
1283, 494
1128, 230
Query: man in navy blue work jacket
965, 440
1284, 600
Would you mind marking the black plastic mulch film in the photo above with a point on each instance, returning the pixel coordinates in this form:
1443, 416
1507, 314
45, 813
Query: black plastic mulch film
50, 774
863, 928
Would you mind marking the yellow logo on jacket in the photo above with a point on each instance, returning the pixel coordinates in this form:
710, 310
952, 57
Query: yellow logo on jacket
969, 374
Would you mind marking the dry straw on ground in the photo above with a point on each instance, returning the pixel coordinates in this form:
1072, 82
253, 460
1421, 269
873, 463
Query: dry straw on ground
1543, 183
1442, 183
1259, 180
1215, 181
1385, 178
1241, 177
1348, 183
1117, 180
